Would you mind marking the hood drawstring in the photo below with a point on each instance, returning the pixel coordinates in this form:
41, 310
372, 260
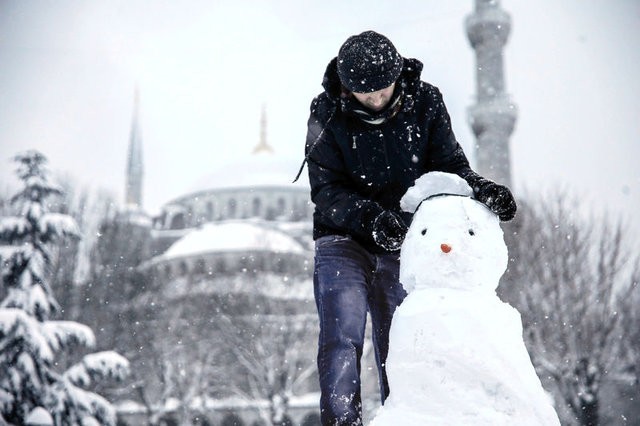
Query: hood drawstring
301, 168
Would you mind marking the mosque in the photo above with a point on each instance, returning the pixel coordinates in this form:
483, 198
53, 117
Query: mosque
238, 245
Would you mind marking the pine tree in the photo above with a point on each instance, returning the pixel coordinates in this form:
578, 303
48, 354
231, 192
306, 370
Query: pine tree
29, 336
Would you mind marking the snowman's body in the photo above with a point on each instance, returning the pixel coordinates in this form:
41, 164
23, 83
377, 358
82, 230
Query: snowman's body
456, 353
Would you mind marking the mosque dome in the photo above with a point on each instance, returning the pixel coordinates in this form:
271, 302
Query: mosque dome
261, 168
257, 185
257, 170
231, 246
233, 236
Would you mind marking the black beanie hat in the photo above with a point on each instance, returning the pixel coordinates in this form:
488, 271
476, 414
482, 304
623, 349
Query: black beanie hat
368, 62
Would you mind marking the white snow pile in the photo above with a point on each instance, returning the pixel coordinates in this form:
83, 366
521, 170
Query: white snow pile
39, 417
456, 353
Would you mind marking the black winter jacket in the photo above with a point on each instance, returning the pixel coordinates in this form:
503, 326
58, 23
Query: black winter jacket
357, 169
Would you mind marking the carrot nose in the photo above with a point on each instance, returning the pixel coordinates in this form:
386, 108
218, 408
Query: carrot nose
446, 248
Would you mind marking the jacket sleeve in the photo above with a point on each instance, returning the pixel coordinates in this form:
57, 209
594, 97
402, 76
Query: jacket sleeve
332, 191
445, 153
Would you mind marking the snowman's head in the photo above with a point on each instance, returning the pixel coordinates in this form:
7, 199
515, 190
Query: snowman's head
454, 241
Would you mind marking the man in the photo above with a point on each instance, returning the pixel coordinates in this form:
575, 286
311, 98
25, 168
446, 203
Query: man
374, 130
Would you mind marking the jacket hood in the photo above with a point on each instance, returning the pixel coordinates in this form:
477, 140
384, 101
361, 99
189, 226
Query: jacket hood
410, 74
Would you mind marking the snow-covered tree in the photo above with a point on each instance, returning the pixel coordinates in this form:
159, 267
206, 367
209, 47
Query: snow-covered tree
175, 361
30, 337
72, 265
573, 280
276, 356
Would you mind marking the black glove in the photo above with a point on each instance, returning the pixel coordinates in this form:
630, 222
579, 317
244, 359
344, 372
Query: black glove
495, 196
389, 230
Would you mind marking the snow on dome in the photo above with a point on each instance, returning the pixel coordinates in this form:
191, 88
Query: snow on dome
233, 236
258, 170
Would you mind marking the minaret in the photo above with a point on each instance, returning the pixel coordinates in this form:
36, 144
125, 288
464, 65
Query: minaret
133, 188
263, 146
493, 116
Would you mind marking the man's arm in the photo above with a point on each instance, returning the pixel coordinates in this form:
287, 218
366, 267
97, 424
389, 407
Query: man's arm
332, 192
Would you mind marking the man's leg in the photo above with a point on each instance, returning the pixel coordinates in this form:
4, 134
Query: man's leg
385, 296
340, 286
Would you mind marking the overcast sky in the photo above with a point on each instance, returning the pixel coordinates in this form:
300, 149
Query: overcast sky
204, 68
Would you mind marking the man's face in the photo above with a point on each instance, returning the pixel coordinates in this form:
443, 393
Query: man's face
377, 100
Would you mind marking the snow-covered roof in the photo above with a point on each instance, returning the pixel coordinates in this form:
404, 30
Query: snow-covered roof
232, 236
135, 215
255, 170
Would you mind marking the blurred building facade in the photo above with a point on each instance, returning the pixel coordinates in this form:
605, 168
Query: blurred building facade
230, 261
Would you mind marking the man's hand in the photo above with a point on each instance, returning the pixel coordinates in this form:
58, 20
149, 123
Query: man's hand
498, 198
389, 231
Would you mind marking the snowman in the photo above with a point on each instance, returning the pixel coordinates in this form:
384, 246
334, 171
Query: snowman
456, 353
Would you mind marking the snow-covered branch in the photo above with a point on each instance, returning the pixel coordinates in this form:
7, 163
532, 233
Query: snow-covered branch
58, 226
98, 366
14, 229
20, 329
63, 334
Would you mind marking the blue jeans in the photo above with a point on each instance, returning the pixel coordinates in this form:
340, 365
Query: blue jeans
348, 282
